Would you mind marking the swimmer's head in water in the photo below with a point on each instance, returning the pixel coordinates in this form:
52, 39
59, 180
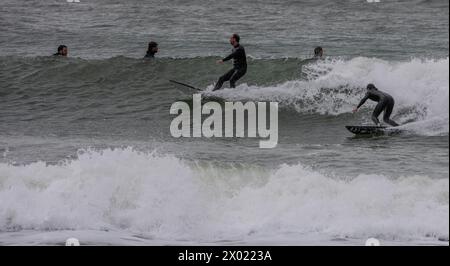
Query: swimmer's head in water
370, 86
234, 39
62, 50
318, 51
152, 47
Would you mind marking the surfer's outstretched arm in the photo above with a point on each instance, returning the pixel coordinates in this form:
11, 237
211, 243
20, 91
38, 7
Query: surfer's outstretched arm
232, 55
363, 100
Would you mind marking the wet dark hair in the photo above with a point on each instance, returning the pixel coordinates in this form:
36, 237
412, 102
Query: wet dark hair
317, 50
370, 86
151, 45
61, 47
236, 37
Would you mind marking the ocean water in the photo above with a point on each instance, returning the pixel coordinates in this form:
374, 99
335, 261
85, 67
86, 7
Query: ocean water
86, 149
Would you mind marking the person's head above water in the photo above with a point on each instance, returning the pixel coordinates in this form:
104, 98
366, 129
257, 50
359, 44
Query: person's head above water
234, 39
318, 52
152, 48
62, 50
370, 86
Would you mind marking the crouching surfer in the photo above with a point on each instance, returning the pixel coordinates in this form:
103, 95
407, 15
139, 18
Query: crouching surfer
385, 103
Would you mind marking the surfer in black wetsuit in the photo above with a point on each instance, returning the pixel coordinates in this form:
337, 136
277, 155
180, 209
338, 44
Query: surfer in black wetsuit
318, 53
385, 103
152, 50
62, 51
239, 64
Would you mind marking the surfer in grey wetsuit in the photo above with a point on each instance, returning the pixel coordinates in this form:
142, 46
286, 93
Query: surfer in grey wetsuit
239, 64
385, 103
152, 50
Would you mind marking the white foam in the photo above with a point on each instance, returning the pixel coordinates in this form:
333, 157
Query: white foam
162, 197
335, 86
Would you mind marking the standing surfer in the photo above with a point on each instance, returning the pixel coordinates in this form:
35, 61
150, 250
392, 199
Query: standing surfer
385, 103
239, 64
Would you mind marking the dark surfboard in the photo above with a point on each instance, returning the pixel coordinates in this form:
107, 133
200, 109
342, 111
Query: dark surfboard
372, 130
205, 98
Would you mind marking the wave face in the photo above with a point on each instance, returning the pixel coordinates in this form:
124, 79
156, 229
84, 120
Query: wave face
334, 86
165, 198
419, 87
35, 89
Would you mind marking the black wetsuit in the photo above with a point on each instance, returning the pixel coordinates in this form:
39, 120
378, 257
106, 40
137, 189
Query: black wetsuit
239, 67
150, 55
385, 102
